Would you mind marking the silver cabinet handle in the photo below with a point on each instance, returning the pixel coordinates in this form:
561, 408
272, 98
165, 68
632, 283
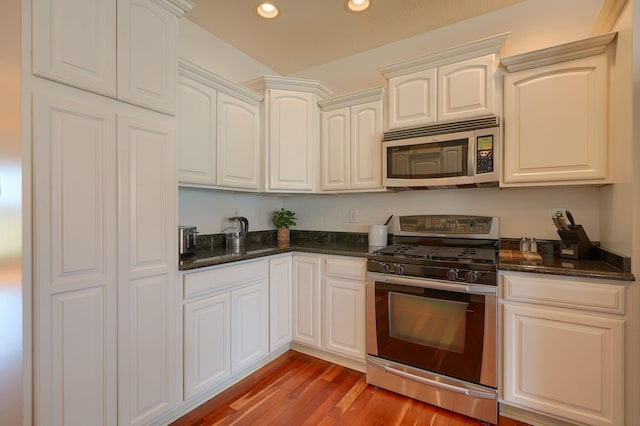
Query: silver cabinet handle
445, 386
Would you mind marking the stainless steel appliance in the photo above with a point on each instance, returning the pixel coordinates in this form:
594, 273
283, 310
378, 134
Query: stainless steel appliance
187, 239
457, 154
432, 313
236, 234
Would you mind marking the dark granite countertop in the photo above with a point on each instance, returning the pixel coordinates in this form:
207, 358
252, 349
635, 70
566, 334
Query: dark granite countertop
604, 265
211, 249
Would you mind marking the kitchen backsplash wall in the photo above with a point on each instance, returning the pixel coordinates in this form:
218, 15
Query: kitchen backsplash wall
522, 212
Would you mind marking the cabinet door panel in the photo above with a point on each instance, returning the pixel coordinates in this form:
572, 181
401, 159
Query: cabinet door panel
291, 140
207, 343
345, 317
556, 126
280, 301
412, 99
366, 146
465, 89
74, 42
75, 376
147, 259
196, 135
147, 54
336, 127
238, 143
249, 324
307, 300
565, 364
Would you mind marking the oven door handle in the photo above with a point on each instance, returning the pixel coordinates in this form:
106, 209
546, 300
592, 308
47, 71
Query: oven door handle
436, 285
440, 385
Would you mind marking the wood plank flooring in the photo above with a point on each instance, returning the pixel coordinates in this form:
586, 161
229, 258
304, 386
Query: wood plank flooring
297, 389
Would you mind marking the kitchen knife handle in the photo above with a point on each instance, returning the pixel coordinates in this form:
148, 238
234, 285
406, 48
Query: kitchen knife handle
570, 217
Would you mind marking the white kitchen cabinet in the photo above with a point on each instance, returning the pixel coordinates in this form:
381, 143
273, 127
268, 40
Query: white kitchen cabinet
218, 131
563, 347
207, 343
453, 84
280, 302
345, 306
125, 49
291, 132
75, 269
226, 323
307, 300
556, 124
146, 269
75, 43
352, 127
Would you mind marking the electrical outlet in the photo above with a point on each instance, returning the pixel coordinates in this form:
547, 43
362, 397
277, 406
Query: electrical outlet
235, 212
353, 215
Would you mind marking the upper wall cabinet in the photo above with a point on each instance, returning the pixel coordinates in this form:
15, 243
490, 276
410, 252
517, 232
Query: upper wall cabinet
218, 131
351, 147
291, 132
449, 85
80, 43
556, 125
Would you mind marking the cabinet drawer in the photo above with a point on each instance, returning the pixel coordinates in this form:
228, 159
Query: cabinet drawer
224, 278
581, 294
340, 267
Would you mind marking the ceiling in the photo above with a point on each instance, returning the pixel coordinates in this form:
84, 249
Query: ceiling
312, 32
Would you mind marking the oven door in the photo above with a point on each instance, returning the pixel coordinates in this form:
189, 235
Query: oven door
445, 328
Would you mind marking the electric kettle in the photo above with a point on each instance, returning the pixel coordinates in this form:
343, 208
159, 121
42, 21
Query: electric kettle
236, 234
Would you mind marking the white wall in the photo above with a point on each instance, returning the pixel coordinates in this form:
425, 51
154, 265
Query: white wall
522, 212
533, 24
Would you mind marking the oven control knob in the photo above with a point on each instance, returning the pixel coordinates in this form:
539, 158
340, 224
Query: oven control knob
399, 269
452, 275
471, 277
384, 268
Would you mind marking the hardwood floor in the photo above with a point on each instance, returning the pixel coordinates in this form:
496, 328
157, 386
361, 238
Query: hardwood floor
297, 389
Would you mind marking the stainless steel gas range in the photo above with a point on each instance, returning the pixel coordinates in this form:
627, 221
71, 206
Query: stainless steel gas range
432, 313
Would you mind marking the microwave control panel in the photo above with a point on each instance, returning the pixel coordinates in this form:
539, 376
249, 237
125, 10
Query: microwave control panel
484, 154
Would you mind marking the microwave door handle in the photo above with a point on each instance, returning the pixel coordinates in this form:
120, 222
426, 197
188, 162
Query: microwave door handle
440, 385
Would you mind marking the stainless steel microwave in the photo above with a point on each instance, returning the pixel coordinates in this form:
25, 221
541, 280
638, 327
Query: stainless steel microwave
453, 159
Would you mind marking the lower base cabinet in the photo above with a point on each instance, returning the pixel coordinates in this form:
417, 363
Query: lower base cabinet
226, 323
563, 347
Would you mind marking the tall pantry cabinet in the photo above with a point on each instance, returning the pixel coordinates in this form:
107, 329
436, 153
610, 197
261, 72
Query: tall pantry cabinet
104, 203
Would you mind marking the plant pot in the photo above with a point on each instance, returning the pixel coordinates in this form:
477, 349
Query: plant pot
283, 235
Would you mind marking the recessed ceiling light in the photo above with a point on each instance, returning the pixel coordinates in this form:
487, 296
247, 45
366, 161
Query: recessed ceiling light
356, 5
268, 10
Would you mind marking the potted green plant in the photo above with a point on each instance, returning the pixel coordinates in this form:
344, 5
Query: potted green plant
283, 219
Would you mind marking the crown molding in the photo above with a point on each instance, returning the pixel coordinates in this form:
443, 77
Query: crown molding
177, 7
460, 53
206, 77
362, 96
553, 55
608, 16
263, 83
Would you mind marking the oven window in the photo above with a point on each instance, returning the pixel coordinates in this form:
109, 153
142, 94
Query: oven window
428, 160
435, 323
434, 330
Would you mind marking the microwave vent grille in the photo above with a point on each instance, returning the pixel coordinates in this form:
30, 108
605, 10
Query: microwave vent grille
443, 128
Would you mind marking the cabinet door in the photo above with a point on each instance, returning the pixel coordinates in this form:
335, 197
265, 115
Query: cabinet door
466, 89
413, 99
344, 317
556, 123
280, 302
207, 343
146, 267
564, 363
147, 54
74, 42
366, 146
196, 135
238, 143
307, 300
292, 140
249, 324
336, 129
74, 166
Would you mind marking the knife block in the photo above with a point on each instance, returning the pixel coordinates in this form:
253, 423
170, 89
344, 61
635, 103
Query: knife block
575, 243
